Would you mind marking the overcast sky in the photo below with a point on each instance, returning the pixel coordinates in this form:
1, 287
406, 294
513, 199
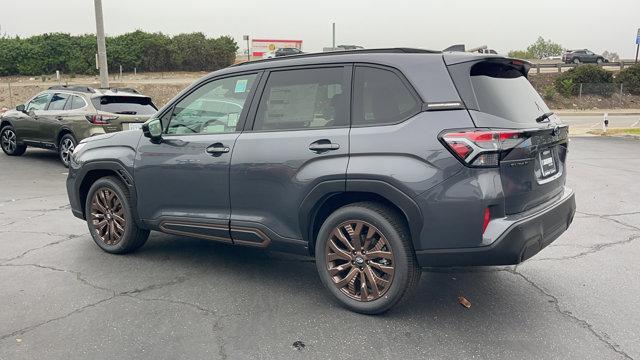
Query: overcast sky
500, 24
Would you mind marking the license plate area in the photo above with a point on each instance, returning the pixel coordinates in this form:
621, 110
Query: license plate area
547, 162
133, 126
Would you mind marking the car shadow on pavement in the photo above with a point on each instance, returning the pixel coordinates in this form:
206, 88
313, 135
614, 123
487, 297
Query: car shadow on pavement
246, 272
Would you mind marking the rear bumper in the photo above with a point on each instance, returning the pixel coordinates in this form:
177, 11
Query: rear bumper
524, 237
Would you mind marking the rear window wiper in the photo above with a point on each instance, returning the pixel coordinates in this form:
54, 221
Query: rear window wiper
127, 112
544, 117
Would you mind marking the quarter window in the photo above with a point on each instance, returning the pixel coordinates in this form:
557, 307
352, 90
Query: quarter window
75, 102
213, 108
39, 102
304, 99
57, 101
381, 97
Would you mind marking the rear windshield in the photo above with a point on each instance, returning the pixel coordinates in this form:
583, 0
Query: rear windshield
130, 105
503, 91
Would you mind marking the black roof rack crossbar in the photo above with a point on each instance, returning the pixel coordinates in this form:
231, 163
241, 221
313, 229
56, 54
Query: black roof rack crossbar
346, 52
84, 89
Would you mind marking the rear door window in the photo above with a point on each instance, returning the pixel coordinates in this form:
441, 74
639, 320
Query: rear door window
58, 101
381, 97
304, 99
127, 105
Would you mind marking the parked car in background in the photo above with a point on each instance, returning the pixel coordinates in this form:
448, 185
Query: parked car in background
287, 52
376, 162
582, 56
61, 116
350, 47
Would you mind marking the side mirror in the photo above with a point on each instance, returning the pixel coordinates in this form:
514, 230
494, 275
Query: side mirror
21, 108
152, 129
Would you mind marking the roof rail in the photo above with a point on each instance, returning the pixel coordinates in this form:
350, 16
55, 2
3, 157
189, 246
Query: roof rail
346, 52
123, 89
84, 89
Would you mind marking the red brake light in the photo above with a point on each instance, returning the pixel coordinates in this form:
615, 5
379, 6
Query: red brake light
461, 149
481, 148
487, 217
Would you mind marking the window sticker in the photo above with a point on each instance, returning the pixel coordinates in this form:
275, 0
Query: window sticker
241, 86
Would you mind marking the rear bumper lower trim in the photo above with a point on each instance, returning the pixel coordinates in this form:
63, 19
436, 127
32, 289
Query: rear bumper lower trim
523, 239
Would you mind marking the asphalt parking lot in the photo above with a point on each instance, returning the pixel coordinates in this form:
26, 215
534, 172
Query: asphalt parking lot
62, 297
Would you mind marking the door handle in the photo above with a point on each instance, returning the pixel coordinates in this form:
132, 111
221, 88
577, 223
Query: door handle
217, 149
59, 118
323, 145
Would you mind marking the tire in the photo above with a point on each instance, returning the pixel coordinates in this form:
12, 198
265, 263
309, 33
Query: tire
576, 61
65, 148
390, 234
9, 142
108, 192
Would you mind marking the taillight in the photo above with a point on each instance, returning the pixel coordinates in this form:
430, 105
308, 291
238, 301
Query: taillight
481, 148
100, 119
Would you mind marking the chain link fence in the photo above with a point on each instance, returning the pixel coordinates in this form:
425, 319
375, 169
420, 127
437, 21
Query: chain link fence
586, 96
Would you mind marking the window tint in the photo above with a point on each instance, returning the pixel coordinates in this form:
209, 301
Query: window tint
77, 103
57, 101
39, 102
129, 105
380, 97
304, 99
213, 108
503, 91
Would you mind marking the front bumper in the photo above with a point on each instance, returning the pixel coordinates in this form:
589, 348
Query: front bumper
524, 237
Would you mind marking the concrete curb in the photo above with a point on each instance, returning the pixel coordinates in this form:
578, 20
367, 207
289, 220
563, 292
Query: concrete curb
597, 112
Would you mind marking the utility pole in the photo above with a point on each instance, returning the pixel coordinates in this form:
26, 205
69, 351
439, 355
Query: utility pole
246, 37
333, 43
102, 47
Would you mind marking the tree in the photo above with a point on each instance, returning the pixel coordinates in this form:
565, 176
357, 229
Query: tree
520, 54
544, 48
611, 56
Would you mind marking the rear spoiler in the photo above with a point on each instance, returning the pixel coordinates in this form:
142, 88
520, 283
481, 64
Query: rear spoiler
471, 59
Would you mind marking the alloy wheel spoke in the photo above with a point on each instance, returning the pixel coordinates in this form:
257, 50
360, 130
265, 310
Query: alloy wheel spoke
371, 280
364, 290
340, 236
340, 268
380, 254
337, 252
386, 269
345, 281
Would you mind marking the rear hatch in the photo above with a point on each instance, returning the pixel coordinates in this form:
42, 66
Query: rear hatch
122, 112
521, 135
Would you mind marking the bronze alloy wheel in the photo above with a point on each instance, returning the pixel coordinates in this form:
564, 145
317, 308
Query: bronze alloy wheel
359, 260
107, 216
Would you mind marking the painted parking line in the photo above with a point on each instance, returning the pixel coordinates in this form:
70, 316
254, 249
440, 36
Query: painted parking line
635, 123
594, 125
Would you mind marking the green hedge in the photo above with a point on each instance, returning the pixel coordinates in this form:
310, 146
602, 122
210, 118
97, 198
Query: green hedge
46, 53
600, 81
630, 79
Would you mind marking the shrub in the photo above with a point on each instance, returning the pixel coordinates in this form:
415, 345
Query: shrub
586, 74
566, 87
549, 93
630, 79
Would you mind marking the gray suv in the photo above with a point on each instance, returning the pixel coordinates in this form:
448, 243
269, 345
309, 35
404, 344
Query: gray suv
376, 162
